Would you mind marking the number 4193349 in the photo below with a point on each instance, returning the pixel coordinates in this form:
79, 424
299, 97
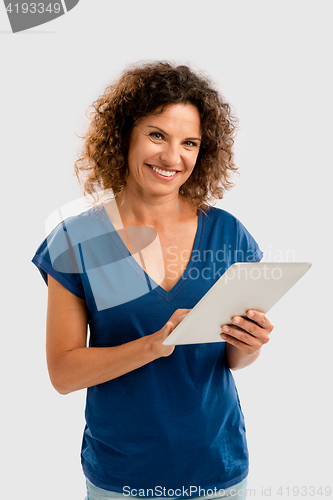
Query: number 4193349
304, 491
34, 8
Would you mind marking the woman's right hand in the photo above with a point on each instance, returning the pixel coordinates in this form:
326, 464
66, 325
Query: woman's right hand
158, 338
74, 366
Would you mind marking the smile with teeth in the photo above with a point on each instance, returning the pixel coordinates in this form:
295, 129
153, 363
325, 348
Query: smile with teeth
165, 173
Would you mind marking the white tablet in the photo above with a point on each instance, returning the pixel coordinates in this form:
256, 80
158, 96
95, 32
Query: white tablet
244, 286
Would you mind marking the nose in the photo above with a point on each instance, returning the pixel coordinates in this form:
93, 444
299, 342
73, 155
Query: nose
170, 155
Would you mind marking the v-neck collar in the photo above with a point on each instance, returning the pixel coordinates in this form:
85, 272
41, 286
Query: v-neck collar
142, 273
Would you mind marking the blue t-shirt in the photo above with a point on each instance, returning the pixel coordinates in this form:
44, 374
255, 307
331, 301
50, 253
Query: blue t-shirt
176, 423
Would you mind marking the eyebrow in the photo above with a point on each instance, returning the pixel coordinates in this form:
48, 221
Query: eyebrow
165, 133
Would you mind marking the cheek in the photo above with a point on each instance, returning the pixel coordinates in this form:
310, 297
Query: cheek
192, 162
139, 153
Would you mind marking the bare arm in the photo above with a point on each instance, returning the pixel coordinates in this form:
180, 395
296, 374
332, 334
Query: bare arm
72, 365
243, 346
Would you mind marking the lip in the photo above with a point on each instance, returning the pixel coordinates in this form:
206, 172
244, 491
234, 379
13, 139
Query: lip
162, 177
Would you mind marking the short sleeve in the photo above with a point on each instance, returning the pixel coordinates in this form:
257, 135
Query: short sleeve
247, 248
59, 258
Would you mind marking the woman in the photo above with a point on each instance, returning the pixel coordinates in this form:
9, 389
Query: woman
160, 420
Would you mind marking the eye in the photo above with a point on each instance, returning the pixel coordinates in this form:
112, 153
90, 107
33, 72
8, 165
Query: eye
156, 135
190, 144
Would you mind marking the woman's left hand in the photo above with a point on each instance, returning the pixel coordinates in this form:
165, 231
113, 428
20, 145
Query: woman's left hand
250, 334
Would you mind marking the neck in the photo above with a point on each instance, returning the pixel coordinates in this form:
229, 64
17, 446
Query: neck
153, 211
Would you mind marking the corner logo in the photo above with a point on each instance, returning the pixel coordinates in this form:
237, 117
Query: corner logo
25, 15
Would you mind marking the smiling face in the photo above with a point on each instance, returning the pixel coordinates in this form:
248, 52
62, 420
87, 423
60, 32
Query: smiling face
163, 151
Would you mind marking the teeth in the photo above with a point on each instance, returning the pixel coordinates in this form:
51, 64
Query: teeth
165, 173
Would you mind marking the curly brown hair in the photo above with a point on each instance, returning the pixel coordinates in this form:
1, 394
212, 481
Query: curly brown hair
140, 91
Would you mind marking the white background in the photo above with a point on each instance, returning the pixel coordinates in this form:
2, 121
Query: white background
273, 62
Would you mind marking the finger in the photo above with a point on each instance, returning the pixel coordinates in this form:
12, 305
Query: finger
182, 311
240, 344
260, 318
178, 319
179, 312
169, 326
166, 330
252, 328
247, 325
239, 335
179, 315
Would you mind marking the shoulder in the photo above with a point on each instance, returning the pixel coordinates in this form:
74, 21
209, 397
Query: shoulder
60, 254
76, 227
219, 216
216, 212
64, 240
223, 228
219, 226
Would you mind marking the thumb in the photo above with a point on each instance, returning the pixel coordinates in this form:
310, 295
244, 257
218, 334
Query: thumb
168, 327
